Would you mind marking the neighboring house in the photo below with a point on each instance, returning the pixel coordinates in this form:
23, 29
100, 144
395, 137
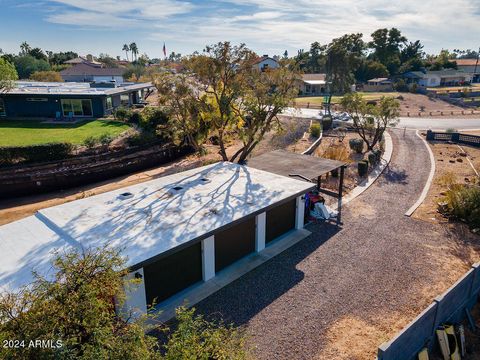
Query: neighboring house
470, 66
312, 85
92, 73
178, 233
378, 84
265, 62
69, 100
89, 60
449, 77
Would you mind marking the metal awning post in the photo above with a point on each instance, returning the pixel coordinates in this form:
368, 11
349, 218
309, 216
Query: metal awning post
340, 195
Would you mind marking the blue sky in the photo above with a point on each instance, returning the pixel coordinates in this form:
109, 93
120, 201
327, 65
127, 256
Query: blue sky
266, 26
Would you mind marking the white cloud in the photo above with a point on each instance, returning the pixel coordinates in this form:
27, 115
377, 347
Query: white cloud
276, 25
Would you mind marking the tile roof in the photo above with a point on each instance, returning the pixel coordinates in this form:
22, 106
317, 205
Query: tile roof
84, 69
306, 77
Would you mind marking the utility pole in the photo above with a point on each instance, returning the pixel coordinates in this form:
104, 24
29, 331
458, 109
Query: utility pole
476, 65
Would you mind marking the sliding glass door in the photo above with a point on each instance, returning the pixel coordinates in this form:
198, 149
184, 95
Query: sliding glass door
77, 107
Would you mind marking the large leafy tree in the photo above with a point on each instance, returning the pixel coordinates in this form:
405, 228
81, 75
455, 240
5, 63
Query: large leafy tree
8, 75
387, 45
371, 120
27, 65
219, 70
185, 104
77, 308
344, 57
370, 69
264, 96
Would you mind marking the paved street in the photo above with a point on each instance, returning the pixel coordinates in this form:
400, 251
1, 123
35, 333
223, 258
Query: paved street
422, 123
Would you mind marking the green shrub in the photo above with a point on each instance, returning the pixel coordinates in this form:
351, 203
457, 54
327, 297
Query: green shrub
90, 142
362, 168
142, 139
463, 203
327, 122
136, 117
153, 117
356, 145
372, 158
105, 139
122, 114
315, 129
35, 153
451, 130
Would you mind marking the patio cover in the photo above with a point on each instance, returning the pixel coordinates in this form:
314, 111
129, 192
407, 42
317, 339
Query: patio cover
287, 163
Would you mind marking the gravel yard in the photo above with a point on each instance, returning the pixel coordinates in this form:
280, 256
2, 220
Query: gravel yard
343, 291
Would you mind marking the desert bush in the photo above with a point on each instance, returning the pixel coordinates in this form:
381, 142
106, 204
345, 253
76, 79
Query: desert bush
401, 85
105, 139
463, 203
315, 129
136, 117
122, 114
356, 145
140, 139
362, 168
372, 158
336, 152
90, 142
451, 130
10, 155
327, 122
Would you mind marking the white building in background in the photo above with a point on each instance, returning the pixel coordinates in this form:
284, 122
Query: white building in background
265, 62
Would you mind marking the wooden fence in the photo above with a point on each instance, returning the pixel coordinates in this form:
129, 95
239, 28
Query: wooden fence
467, 139
450, 307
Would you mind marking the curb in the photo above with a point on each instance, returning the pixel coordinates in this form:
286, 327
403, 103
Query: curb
373, 176
424, 193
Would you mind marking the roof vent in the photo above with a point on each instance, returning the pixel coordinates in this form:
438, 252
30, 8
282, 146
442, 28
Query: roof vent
125, 195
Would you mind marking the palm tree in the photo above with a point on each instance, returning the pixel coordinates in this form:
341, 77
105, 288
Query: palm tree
134, 50
25, 48
126, 48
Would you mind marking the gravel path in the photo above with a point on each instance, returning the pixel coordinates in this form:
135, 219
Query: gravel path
341, 292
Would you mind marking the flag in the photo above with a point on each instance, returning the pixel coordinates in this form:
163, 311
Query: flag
164, 50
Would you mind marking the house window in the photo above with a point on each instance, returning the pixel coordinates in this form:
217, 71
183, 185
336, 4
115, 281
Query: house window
125, 100
2, 108
77, 107
109, 103
308, 88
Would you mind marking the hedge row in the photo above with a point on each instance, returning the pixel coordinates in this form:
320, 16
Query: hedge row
10, 155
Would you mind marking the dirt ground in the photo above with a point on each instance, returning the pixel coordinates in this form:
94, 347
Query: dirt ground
450, 162
18, 208
414, 102
351, 179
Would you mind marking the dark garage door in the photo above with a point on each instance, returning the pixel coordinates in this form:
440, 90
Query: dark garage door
280, 220
172, 274
234, 243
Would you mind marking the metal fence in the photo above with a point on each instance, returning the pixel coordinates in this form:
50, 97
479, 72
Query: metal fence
450, 307
467, 139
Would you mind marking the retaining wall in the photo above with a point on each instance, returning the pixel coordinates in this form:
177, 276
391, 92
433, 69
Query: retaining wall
448, 308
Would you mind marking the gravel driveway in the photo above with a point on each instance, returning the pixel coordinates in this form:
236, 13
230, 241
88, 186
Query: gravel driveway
343, 291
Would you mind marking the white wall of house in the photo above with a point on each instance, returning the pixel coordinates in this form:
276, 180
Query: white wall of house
267, 63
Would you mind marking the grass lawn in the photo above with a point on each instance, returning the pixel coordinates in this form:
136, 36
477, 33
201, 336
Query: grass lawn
318, 100
28, 132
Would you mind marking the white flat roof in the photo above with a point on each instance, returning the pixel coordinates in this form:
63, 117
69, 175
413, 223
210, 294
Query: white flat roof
70, 88
154, 219
26, 245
